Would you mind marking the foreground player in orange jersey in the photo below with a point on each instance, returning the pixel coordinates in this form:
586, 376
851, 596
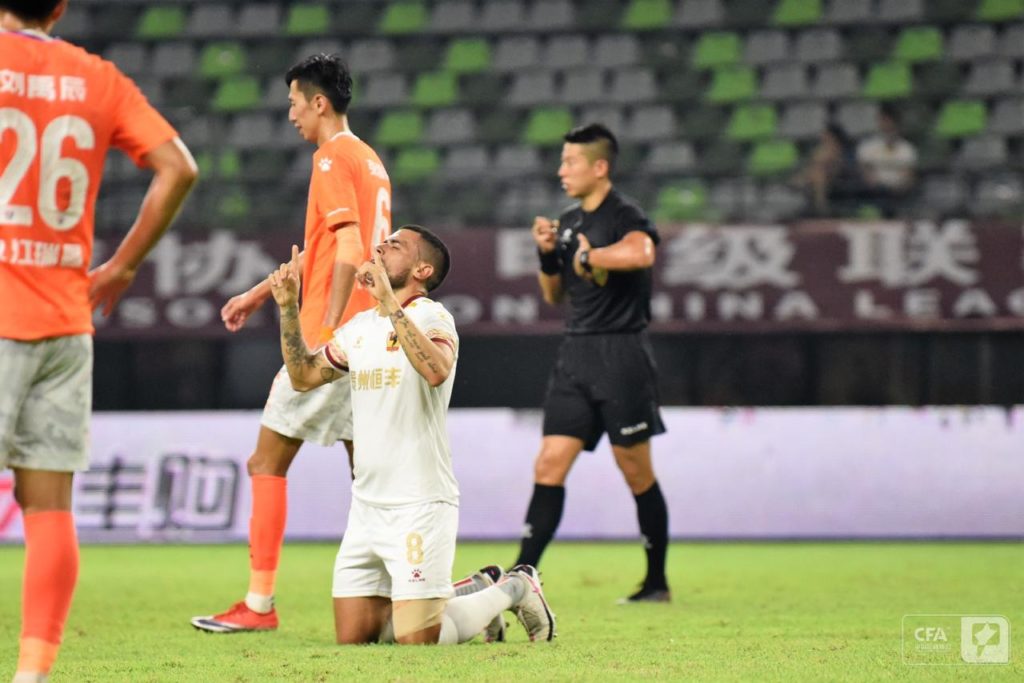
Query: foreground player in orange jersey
349, 211
61, 109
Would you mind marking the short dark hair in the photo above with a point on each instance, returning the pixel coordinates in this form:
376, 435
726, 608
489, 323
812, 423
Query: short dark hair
325, 74
602, 140
437, 255
890, 113
30, 9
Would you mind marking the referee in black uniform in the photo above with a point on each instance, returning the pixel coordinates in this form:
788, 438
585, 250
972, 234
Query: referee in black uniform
599, 254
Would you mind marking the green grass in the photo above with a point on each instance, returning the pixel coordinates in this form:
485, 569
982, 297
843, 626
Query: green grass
742, 612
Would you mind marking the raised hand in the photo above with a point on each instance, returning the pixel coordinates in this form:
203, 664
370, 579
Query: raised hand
284, 282
545, 233
374, 278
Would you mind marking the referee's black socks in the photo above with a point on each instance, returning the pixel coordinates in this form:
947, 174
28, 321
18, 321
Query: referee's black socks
542, 518
652, 514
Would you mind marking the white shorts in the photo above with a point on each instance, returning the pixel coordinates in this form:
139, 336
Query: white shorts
45, 403
323, 415
399, 553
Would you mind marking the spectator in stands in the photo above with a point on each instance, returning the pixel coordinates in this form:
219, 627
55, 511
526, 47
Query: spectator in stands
887, 163
830, 174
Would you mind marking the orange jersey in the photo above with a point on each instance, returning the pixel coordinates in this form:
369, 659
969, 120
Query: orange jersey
61, 109
348, 185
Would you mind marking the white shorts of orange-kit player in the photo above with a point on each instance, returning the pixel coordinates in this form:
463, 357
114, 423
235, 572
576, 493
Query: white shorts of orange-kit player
322, 415
402, 553
45, 403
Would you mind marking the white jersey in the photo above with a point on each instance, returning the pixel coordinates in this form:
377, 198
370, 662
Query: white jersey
402, 456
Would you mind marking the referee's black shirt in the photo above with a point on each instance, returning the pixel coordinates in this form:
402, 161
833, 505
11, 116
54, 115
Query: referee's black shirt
624, 303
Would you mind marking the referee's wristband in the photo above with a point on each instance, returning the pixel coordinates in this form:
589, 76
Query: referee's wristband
550, 264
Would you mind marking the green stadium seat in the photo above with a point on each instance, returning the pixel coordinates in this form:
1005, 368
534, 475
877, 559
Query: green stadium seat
752, 122
647, 14
400, 128
220, 59
234, 204
236, 93
415, 163
888, 81
685, 201
468, 55
796, 12
772, 157
307, 20
717, 49
161, 21
919, 44
403, 17
1000, 10
436, 89
547, 126
961, 118
204, 161
732, 84
229, 165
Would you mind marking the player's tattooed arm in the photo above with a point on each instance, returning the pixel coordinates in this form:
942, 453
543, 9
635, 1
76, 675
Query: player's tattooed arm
432, 358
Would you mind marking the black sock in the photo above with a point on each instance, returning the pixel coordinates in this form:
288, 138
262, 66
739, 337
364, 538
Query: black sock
542, 518
652, 513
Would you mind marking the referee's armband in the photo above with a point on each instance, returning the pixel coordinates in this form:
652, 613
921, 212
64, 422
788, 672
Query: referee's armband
550, 263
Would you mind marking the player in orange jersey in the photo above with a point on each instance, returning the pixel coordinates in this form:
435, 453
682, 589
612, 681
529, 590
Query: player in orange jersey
61, 109
348, 211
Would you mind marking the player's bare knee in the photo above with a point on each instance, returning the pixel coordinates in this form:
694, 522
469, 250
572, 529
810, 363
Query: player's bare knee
549, 469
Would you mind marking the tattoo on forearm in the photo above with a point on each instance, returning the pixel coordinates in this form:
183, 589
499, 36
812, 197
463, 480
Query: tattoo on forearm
296, 353
411, 341
329, 374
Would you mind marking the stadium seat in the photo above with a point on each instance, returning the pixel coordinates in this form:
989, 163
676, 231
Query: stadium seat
900, 11
499, 16
616, 50
466, 163
938, 79
399, 128
599, 17
417, 55
919, 44
766, 47
681, 201
76, 24
450, 126
948, 11
972, 42
1011, 41
819, 45
453, 16
772, 157
716, 49
752, 122
888, 81
518, 161
991, 78
582, 86
1000, 10
566, 52
546, 126
780, 203
220, 59
468, 55
703, 122
731, 198
414, 164
209, 20
842, 12
1008, 116
741, 14
551, 15
644, 15
916, 118
732, 84
263, 19
251, 131
934, 154
370, 55
130, 58
633, 86
516, 53
697, 14
797, 12
609, 115
482, 89
721, 158
532, 88
159, 22
835, 81
670, 158
681, 85
435, 89
803, 120
522, 201
868, 46
356, 19
999, 194
858, 118
961, 118
982, 153
650, 124
403, 17
307, 19
784, 82
943, 195
389, 89
236, 93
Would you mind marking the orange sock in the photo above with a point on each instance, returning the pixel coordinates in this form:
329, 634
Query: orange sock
266, 531
51, 570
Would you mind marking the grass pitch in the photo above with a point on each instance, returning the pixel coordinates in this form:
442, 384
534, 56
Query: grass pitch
742, 612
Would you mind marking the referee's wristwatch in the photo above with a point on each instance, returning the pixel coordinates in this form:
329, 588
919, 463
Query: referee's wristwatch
585, 261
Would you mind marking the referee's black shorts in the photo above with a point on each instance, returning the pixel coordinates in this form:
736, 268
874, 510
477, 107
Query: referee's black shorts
604, 383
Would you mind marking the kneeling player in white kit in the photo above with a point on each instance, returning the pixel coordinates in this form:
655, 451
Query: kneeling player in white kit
393, 570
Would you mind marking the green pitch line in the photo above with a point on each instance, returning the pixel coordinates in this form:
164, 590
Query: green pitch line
742, 612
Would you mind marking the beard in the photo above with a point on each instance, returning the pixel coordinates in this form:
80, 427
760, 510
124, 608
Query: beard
399, 280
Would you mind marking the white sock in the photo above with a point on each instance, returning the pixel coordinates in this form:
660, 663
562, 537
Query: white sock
467, 615
259, 603
30, 677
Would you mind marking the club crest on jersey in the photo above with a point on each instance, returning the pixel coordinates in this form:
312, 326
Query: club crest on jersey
392, 343
417, 576
325, 164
